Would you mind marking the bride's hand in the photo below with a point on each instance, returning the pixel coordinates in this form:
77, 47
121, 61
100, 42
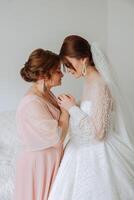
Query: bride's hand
66, 101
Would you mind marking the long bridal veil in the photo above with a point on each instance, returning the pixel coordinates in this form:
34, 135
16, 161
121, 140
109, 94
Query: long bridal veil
124, 123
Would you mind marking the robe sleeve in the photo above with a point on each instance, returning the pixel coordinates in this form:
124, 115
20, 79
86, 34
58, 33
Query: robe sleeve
38, 128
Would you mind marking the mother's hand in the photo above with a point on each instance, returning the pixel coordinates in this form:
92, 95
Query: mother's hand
66, 101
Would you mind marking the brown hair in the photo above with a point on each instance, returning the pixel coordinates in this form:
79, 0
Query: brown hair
76, 47
40, 63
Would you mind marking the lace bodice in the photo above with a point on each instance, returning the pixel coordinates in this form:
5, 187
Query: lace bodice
92, 120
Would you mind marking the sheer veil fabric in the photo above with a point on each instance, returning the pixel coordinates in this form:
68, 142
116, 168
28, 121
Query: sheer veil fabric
123, 115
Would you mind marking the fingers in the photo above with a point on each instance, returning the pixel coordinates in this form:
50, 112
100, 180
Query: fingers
60, 101
63, 100
61, 105
70, 96
65, 95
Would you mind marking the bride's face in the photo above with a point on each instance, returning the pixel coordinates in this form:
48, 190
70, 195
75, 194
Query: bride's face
77, 65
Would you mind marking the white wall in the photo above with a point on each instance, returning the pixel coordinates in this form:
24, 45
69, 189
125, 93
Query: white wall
121, 43
29, 24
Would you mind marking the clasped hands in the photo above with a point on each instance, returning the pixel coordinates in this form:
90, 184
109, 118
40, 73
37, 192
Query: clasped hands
66, 101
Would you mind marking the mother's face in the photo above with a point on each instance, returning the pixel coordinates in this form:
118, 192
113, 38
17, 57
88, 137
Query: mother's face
56, 78
77, 65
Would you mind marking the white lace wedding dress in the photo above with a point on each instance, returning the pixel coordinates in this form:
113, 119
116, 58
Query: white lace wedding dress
98, 163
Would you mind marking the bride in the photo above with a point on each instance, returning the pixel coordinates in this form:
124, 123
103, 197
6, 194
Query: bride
98, 162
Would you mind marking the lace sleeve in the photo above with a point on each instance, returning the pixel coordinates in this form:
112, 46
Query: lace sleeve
94, 120
37, 127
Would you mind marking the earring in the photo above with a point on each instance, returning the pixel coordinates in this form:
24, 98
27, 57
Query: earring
84, 70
